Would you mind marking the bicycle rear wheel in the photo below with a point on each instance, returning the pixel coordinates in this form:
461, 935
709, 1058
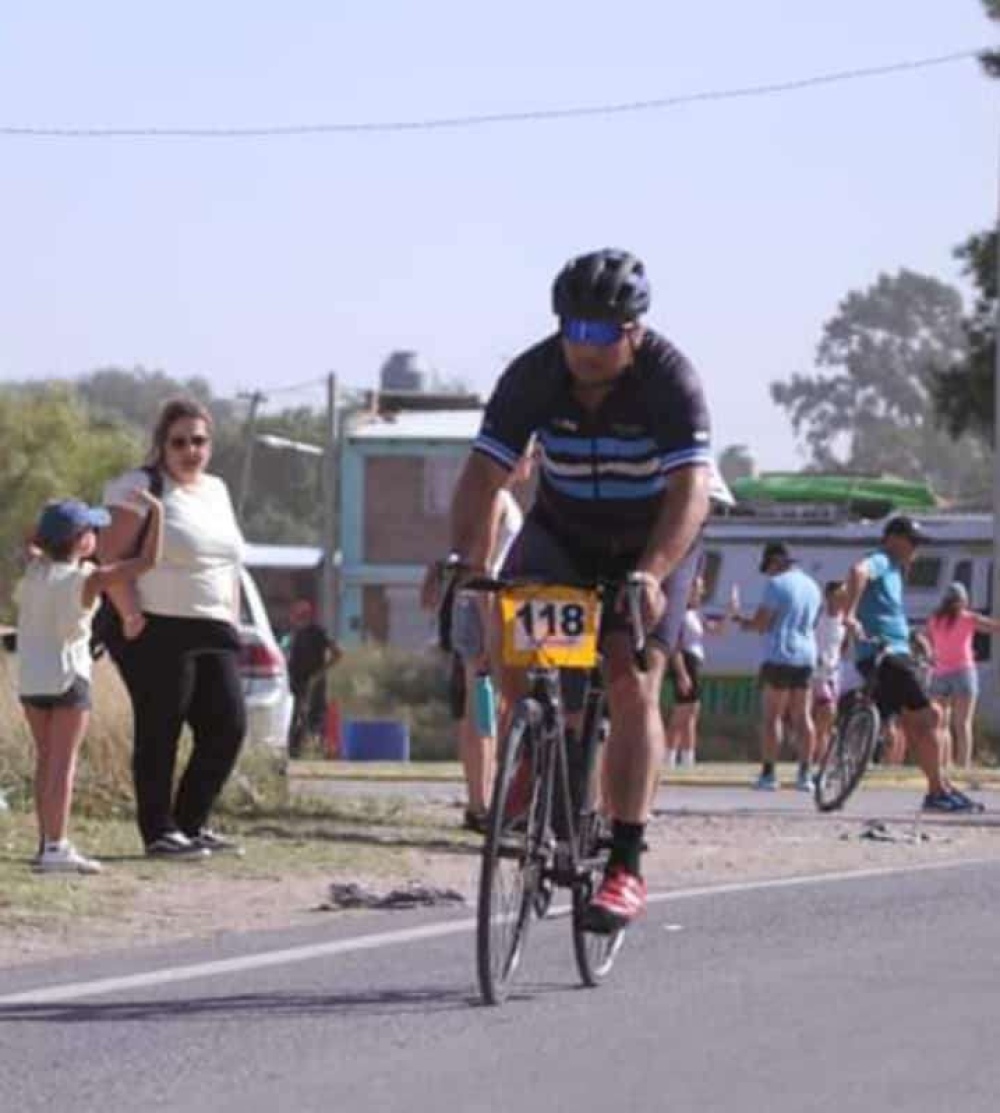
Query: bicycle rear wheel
847, 756
595, 954
510, 866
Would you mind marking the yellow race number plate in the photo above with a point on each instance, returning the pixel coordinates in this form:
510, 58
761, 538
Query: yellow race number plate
549, 627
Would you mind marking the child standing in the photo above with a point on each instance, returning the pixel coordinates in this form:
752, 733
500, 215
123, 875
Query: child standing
686, 663
56, 601
831, 648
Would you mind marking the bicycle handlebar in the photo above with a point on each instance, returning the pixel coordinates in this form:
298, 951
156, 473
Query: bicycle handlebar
632, 589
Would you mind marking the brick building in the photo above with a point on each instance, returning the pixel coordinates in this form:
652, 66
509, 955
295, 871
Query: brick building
397, 474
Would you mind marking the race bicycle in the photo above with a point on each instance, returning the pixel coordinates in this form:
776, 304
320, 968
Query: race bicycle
857, 731
545, 830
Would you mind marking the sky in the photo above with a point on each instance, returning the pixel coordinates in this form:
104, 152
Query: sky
264, 263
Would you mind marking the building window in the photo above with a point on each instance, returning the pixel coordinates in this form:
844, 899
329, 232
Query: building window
711, 566
440, 477
924, 574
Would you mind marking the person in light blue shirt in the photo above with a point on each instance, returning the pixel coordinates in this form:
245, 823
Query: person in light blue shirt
787, 616
876, 616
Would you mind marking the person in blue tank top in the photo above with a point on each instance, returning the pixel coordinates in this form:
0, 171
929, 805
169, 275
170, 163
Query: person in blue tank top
876, 615
787, 616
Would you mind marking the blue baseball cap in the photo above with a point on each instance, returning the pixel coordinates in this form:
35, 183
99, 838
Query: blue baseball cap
61, 521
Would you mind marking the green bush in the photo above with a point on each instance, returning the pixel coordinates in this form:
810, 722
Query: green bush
376, 682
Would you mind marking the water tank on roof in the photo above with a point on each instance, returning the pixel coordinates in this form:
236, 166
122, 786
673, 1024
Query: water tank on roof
406, 371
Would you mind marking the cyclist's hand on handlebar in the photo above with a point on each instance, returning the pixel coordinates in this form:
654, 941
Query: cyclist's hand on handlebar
652, 601
438, 577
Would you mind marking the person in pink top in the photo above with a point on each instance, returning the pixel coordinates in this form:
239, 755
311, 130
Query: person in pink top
955, 682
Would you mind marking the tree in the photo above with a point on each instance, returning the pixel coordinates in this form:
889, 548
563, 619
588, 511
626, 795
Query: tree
963, 393
869, 408
736, 461
49, 448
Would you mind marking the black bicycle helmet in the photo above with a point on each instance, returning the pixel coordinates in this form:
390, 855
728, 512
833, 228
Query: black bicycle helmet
606, 285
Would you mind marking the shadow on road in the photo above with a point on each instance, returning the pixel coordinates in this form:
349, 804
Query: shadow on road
407, 840
263, 1006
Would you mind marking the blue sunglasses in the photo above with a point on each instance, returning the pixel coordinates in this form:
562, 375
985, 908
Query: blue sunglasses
600, 334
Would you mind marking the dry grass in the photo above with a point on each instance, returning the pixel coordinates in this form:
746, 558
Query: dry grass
104, 779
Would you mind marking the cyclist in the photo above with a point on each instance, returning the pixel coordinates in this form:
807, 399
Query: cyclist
874, 609
624, 472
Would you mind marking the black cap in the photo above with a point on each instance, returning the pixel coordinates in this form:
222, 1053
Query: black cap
904, 526
771, 550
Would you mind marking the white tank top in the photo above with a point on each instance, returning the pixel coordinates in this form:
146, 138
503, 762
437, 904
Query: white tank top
53, 627
693, 634
511, 521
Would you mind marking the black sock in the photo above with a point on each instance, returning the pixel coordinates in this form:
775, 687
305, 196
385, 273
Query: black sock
803, 767
768, 769
626, 846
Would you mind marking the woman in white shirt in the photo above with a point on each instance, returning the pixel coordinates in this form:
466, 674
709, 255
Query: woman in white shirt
179, 656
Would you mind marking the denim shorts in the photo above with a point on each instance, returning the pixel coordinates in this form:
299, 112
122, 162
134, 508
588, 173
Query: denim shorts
961, 682
76, 695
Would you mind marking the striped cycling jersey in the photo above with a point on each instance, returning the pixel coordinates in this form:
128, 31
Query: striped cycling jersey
602, 475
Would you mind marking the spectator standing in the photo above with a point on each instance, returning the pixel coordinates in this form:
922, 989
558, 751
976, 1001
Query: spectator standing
179, 650
831, 648
786, 616
954, 686
686, 665
311, 654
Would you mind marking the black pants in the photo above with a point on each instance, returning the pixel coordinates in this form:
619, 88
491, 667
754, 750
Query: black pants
308, 713
182, 671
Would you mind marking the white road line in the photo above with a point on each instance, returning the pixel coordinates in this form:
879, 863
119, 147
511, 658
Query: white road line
74, 991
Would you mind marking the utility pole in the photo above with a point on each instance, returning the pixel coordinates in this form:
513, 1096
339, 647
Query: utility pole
995, 647
249, 433
331, 531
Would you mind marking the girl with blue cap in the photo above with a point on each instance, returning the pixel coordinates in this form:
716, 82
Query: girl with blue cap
56, 601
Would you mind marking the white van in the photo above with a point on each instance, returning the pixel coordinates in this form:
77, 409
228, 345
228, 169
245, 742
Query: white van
959, 547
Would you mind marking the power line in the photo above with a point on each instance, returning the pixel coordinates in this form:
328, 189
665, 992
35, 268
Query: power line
291, 388
538, 115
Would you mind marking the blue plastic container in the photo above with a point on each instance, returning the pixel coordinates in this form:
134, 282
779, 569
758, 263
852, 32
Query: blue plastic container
375, 740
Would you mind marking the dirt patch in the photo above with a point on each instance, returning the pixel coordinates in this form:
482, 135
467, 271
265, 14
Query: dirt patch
285, 879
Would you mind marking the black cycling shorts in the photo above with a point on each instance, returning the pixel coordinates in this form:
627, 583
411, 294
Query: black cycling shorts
898, 686
538, 551
785, 678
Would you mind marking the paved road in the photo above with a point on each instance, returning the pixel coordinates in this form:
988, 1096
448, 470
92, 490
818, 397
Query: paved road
865, 994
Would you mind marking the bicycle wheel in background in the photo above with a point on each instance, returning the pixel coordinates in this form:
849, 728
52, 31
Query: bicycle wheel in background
847, 756
595, 954
510, 868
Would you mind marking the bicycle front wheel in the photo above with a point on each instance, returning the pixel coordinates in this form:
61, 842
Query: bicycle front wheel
510, 868
595, 954
847, 757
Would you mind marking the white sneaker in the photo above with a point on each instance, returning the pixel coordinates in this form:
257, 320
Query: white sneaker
686, 759
64, 858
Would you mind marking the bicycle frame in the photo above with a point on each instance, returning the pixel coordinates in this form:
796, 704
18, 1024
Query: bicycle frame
566, 772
